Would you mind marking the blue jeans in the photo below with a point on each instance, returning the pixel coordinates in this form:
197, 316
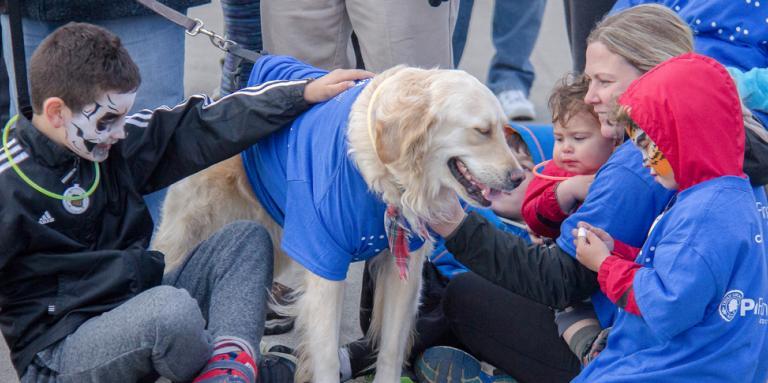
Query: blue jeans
156, 46
516, 26
242, 24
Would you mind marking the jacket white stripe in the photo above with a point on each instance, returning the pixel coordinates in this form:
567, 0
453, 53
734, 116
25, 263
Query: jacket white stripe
13, 150
18, 159
141, 119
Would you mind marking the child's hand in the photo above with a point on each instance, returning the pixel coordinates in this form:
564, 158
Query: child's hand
591, 251
600, 233
328, 86
573, 190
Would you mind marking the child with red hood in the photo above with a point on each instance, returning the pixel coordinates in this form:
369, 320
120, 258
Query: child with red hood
694, 301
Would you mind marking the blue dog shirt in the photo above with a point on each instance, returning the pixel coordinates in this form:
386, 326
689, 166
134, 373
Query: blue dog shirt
305, 179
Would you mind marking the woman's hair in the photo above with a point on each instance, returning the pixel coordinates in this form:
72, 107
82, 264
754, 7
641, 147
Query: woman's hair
645, 35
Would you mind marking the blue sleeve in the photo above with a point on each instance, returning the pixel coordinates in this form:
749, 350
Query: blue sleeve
269, 68
675, 293
620, 201
753, 87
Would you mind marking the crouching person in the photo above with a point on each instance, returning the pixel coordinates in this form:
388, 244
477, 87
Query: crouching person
81, 299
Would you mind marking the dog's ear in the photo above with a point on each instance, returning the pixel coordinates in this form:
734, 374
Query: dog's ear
403, 117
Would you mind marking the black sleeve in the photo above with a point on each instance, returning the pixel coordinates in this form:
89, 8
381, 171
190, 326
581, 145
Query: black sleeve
544, 274
756, 159
167, 144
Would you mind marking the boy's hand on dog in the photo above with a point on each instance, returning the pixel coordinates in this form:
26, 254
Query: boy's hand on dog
330, 85
594, 247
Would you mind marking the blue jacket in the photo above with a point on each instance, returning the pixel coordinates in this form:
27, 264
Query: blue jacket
704, 299
753, 87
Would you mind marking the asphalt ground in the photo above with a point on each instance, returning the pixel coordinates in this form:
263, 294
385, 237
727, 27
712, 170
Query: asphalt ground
551, 59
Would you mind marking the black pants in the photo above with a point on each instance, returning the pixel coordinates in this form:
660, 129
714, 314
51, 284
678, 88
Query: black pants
580, 17
513, 333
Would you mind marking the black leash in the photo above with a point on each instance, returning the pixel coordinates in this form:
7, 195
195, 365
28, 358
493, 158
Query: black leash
194, 27
19, 69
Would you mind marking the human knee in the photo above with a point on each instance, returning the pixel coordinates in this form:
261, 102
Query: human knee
175, 312
245, 238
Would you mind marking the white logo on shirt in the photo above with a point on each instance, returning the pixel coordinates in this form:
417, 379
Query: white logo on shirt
46, 218
734, 304
76, 206
762, 210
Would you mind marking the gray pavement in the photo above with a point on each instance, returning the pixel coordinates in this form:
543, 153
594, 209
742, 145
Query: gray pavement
551, 58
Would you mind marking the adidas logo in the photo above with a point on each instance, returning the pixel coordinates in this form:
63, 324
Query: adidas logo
46, 218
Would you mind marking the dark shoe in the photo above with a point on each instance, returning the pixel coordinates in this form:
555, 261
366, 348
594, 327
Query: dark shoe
447, 364
276, 369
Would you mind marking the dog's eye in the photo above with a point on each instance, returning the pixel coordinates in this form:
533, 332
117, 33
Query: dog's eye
484, 131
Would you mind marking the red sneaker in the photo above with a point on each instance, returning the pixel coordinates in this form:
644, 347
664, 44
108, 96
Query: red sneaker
232, 367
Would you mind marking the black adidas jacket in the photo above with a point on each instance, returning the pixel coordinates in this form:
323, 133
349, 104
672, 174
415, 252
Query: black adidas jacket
58, 269
547, 274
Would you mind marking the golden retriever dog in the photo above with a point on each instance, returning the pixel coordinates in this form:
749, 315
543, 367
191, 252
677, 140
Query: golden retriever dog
417, 138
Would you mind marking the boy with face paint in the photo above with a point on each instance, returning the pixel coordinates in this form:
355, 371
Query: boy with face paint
81, 297
694, 297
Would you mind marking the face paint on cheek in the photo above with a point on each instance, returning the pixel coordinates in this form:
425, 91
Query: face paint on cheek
652, 156
92, 131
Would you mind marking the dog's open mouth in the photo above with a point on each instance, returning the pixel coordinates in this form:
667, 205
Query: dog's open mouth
480, 192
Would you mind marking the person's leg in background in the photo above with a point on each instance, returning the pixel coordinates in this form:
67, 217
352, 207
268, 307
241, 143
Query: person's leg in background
34, 32
516, 25
410, 32
314, 31
461, 30
509, 331
242, 24
580, 17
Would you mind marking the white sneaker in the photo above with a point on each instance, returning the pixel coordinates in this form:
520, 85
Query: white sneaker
516, 106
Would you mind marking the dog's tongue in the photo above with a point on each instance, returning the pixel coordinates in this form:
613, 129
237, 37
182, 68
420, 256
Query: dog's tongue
491, 194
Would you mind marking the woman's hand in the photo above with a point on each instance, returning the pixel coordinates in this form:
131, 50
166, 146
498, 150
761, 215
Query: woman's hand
591, 249
454, 218
330, 85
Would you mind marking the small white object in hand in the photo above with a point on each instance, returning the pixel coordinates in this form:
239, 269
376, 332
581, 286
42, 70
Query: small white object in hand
582, 232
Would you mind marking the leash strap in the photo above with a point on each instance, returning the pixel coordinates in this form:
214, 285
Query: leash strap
19, 69
194, 27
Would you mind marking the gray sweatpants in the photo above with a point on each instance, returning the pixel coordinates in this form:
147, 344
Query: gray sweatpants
168, 330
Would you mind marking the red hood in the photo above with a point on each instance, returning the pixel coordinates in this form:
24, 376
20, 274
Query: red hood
690, 108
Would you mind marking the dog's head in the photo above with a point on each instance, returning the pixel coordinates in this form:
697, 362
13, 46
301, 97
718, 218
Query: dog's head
435, 132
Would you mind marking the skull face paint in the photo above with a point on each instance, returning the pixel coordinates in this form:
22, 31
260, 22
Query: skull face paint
92, 131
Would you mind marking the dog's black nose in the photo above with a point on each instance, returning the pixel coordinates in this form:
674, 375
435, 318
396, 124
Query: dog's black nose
516, 177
